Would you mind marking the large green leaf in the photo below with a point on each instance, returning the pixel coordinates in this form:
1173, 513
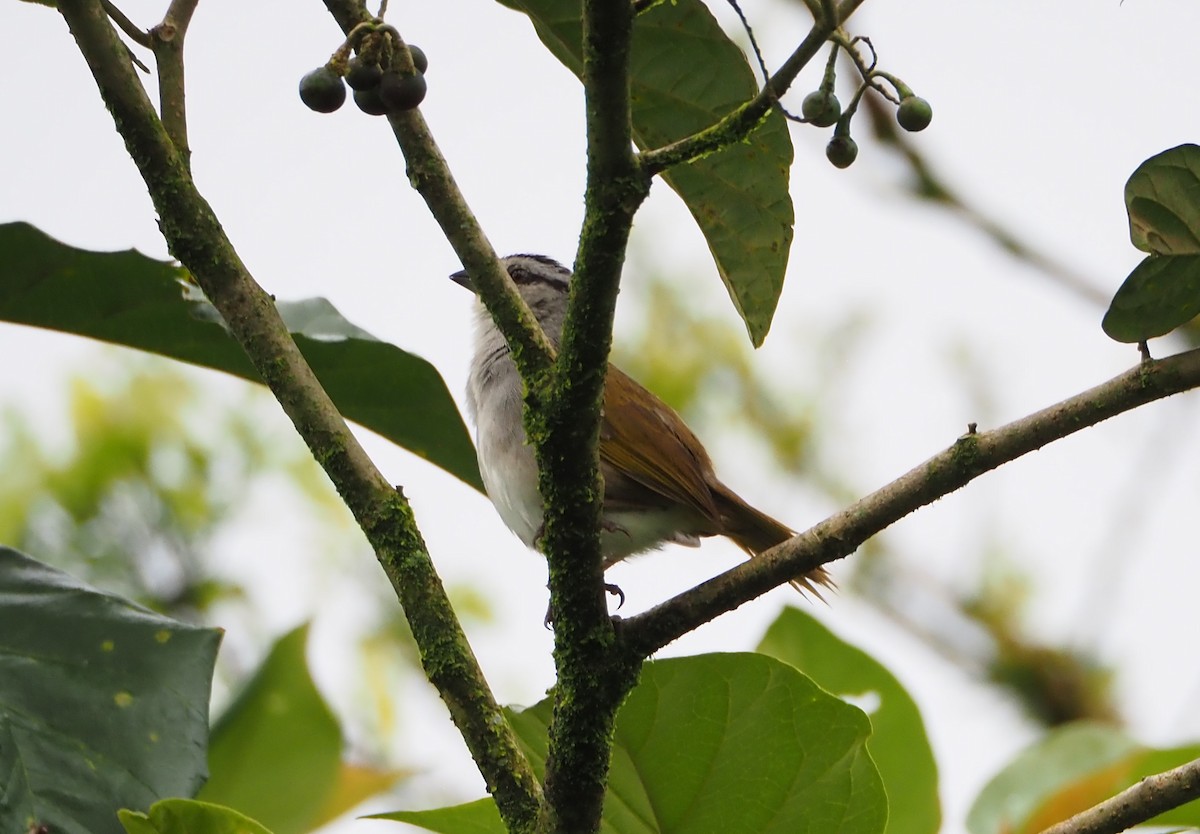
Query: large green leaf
685, 75
721, 742
129, 299
1069, 770
187, 816
103, 704
898, 743
1162, 198
275, 753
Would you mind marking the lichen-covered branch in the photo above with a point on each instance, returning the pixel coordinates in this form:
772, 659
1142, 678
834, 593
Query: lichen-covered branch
196, 238
971, 455
593, 676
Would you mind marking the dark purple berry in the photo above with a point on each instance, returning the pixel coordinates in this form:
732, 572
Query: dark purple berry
419, 59
363, 76
401, 92
322, 90
369, 102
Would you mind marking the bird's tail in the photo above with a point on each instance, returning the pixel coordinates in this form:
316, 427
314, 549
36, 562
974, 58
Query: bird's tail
754, 531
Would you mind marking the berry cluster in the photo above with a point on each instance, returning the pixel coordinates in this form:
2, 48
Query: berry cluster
821, 107
380, 86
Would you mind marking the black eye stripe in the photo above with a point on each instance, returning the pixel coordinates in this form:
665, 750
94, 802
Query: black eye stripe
531, 270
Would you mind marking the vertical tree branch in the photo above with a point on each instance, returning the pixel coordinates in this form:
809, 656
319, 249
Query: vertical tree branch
593, 678
197, 240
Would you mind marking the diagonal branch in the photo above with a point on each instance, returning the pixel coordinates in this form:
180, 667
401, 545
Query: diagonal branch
971, 456
195, 237
1137, 804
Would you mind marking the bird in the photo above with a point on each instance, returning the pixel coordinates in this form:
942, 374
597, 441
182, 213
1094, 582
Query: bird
659, 483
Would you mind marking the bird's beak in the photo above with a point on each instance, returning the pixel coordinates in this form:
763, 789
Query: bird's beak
462, 279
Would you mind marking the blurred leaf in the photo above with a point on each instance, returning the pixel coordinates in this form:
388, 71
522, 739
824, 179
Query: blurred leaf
720, 742
686, 74
1162, 293
103, 704
1068, 771
187, 816
898, 744
354, 784
129, 299
275, 753
1163, 200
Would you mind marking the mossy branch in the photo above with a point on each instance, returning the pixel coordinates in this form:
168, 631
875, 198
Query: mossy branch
971, 455
593, 676
195, 237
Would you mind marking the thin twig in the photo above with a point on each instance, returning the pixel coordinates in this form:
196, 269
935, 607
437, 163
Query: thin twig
138, 36
1137, 804
971, 456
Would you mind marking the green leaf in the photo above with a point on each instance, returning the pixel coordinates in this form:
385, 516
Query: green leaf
1163, 201
103, 704
898, 743
1071, 769
721, 742
1162, 293
275, 753
686, 74
478, 817
129, 299
187, 816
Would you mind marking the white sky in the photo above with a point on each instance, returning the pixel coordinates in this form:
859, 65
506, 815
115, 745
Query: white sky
1042, 110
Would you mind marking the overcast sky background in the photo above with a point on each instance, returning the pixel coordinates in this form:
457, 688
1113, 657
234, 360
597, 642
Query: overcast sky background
1042, 111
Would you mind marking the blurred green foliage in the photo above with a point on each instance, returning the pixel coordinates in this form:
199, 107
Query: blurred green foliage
148, 471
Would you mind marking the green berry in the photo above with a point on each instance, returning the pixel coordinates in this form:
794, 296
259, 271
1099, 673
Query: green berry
369, 102
363, 76
914, 113
322, 90
419, 59
401, 92
821, 108
841, 150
